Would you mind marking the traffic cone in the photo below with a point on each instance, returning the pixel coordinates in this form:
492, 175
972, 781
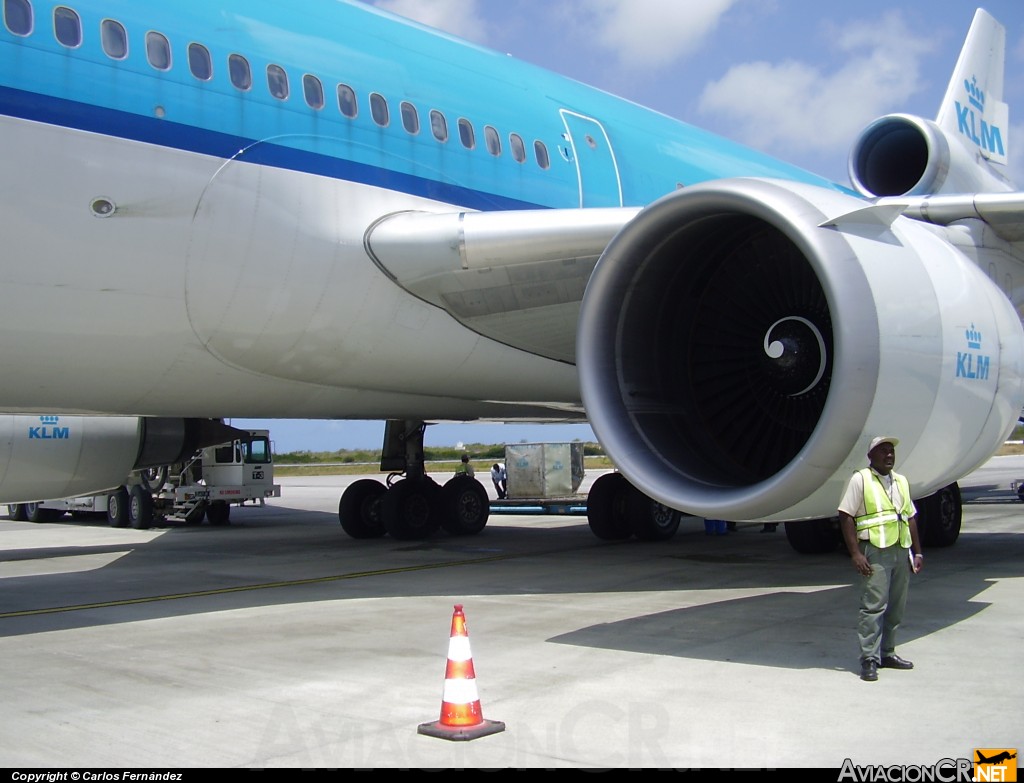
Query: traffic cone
461, 716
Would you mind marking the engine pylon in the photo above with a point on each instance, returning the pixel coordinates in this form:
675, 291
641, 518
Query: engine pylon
461, 715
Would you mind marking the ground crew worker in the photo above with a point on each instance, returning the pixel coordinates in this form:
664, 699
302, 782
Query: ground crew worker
879, 524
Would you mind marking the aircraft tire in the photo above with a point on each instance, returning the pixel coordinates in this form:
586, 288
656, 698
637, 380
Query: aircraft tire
813, 536
359, 509
465, 506
608, 507
218, 513
140, 508
939, 517
16, 512
410, 509
117, 508
651, 520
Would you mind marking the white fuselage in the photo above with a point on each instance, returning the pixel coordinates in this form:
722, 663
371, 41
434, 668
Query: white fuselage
253, 289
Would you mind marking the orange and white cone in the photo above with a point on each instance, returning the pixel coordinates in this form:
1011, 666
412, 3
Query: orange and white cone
461, 716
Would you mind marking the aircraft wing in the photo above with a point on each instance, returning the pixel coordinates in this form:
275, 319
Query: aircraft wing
1003, 212
516, 276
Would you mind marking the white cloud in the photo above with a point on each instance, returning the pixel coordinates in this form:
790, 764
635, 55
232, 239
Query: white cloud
794, 105
651, 33
458, 17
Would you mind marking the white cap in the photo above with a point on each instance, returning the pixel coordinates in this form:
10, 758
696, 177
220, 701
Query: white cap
883, 439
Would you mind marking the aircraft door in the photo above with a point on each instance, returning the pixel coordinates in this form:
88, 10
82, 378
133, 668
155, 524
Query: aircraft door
596, 167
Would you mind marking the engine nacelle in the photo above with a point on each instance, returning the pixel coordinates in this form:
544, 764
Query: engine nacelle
741, 342
51, 457
904, 155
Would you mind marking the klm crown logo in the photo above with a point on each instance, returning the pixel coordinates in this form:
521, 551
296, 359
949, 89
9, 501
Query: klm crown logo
973, 366
973, 339
975, 95
48, 429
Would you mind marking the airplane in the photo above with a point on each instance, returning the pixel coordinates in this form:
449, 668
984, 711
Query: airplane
996, 759
325, 211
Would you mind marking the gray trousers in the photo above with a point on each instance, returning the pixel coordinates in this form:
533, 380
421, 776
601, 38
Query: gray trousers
883, 597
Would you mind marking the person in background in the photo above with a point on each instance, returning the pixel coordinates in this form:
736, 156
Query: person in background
499, 476
464, 468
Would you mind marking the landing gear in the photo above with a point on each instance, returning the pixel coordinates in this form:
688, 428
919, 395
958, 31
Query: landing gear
140, 507
814, 536
464, 506
617, 510
117, 507
413, 507
359, 509
939, 517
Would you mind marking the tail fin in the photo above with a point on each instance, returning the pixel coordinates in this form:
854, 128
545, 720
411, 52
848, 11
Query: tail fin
973, 109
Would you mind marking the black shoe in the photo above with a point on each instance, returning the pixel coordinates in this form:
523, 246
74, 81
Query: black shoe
895, 662
869, 670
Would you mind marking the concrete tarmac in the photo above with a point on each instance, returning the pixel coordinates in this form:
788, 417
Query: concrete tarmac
279, 642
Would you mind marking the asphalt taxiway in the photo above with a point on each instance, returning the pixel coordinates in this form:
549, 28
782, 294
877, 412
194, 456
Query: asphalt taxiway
279, 642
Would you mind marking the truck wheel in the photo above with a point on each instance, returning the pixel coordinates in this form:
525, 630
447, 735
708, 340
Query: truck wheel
359, 509
195, 515
464, 506
218, 513
140, 508
16, 512
117, 507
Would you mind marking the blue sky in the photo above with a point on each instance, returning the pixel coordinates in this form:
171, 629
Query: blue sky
795, 78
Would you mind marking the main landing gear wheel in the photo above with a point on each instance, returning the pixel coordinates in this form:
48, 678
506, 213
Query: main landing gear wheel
359, 509
410, 509
608, 507
464, 506
813, 536
140, 508
117, 508
651, 520
939, 517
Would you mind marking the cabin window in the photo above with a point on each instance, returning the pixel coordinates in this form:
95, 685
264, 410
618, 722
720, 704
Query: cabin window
410, 118
241, 74
313, 89
379, 109
114, 39
466, 134
438, 126
18, 16
347, 104
200, 62
541, 151
493, 140
277, 81
67, 26
158, 51
515, 142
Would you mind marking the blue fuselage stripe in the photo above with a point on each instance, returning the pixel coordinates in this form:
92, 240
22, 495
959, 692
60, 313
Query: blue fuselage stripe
86, 117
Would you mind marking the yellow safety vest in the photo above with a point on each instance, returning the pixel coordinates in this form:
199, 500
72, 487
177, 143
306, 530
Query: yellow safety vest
886, 525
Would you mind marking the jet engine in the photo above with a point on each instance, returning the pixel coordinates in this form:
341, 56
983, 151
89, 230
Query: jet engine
904, 155
741, 341
50, 457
